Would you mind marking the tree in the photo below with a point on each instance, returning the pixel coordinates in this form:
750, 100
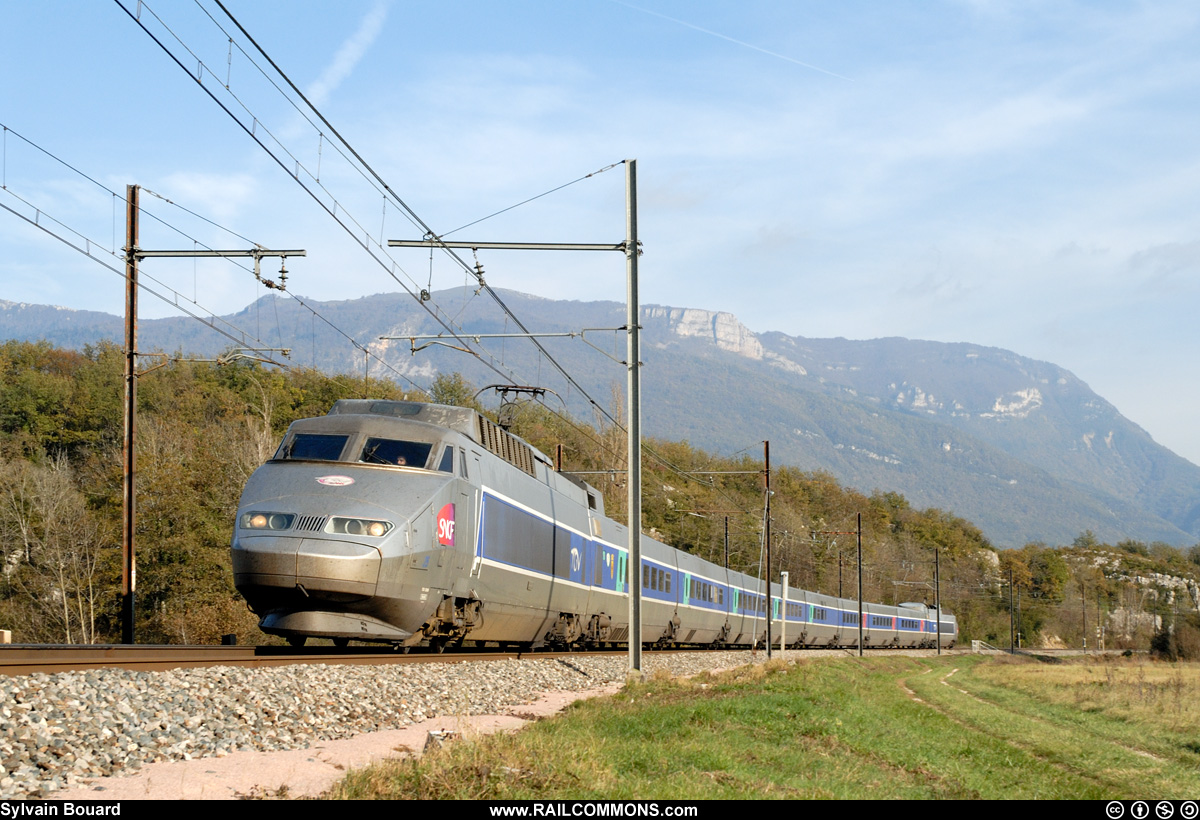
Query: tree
453, 389
53, 550
1049, 573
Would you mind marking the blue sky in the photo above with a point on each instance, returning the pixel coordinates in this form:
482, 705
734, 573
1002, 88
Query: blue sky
1017, 174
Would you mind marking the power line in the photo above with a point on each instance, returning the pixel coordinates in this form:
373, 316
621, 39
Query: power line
364, 169
123, 275
245, 336
252, 131
416, 219
532, 198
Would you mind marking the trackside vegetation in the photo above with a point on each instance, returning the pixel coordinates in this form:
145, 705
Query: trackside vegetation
882, 727
204, 428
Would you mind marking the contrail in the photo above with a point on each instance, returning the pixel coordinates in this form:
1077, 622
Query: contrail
349, 54
732, 40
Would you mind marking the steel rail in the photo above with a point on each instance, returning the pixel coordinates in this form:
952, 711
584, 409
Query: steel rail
28, 659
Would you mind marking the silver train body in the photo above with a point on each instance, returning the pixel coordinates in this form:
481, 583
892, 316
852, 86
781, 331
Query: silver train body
416, 523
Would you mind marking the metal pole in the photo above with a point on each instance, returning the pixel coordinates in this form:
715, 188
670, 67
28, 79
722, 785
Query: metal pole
1012, 629
767, 474
128, 565
860, 608
726, 542
783, 580
1083, 612
937, 593
633, 365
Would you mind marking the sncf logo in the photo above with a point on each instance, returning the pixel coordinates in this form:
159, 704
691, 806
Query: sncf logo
445, 526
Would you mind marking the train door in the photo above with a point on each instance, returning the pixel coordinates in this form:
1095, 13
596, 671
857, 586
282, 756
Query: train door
472, 478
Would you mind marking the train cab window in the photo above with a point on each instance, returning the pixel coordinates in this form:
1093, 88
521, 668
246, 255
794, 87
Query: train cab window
313, 447
447, 465
462, 464
396, 452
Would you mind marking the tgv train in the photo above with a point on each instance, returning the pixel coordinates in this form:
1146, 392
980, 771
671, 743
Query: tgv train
412, 523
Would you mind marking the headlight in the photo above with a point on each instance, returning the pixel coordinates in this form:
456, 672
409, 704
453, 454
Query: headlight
267, 521
358, 526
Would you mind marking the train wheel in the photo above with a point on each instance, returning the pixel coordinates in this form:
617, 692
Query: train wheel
437, 645
341, 643
297, 640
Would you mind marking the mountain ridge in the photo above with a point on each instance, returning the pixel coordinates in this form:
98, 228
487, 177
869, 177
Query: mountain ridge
1021, 447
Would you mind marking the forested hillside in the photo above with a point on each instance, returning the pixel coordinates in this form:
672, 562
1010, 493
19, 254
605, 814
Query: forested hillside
204, 428
1022, 448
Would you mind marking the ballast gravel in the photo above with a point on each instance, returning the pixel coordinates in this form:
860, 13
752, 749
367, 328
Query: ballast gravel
60, 731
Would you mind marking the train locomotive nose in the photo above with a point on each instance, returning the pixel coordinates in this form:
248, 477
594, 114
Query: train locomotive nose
271, 567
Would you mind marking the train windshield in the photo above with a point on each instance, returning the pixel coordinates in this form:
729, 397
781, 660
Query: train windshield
396, 452
313, 447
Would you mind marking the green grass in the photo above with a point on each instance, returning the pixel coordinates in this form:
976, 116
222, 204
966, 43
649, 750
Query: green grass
881, 727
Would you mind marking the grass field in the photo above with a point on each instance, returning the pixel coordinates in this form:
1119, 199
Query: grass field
881, 727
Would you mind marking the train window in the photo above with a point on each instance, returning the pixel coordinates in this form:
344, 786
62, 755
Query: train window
645, 577
396, 452
666, 584
313, 447
447, 465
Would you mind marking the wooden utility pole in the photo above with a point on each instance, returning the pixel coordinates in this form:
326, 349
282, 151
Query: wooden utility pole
133, 255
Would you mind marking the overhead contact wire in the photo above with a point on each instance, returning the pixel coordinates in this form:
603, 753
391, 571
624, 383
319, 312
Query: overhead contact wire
279, 162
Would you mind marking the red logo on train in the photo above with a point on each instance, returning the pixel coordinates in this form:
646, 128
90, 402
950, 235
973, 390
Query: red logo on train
445, 526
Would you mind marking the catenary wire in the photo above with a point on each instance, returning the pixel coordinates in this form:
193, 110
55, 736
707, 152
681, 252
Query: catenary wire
389, 191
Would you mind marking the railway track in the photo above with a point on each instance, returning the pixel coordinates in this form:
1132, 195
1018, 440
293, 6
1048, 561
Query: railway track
28, 658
